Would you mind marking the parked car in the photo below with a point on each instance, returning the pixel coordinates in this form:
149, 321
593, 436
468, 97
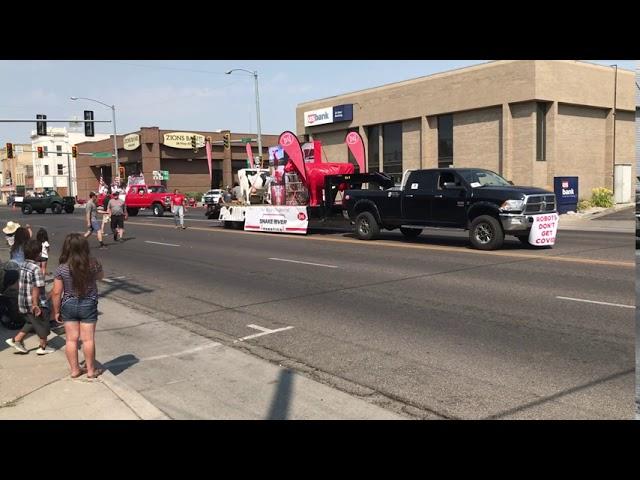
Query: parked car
212, 196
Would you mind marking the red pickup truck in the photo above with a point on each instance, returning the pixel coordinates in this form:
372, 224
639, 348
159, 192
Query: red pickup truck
154, 197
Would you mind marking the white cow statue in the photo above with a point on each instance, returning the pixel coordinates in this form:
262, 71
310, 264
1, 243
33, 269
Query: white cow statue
254, 181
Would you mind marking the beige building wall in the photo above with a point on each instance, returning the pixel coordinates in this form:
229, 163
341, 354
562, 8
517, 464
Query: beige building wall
582, 143
334, 148
411, 143
476, 138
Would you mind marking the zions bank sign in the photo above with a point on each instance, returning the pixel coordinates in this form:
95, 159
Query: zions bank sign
339, 113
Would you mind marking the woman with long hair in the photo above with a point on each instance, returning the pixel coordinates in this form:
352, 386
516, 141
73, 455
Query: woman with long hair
75, 301
17, 249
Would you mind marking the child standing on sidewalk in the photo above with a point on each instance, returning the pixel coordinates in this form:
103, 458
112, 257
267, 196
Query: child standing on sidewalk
31, 279
43, 238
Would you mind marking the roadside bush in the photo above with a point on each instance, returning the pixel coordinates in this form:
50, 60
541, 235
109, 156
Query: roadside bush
602, 197
196, 195
584, 205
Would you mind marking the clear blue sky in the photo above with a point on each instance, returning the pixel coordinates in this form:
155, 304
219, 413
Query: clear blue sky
192, 95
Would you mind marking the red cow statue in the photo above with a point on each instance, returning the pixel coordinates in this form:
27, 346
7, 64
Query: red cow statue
315, 177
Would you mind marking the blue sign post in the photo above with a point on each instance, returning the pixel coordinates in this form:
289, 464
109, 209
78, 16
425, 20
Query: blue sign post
566, 190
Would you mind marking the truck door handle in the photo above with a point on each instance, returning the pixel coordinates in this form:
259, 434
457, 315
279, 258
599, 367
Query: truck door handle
438, 196
408, 196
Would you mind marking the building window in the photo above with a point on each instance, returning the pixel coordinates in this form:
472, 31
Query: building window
60, 169
373, 144
445, 141
541, 132
392, 150
59, 150
46, 169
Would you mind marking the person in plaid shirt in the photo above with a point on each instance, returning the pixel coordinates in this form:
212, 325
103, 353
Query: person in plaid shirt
31, 279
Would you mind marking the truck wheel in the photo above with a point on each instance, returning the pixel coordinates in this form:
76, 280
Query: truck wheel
56, 208
69, 209
157, 209
411, 232
486, 233
132, 212
367, 227
41, 210
27, 209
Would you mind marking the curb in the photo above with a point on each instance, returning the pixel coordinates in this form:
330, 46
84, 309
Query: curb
142, 407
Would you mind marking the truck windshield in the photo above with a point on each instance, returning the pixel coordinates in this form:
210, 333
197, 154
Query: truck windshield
482, 178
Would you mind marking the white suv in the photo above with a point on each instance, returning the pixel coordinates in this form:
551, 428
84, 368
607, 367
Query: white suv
212, 196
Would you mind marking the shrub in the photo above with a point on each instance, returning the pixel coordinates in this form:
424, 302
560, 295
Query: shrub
196, 195
602, 197
584, 205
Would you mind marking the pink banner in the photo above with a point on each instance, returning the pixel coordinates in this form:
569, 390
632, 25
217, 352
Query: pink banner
356, 145
291, 146
208, 149
250, 155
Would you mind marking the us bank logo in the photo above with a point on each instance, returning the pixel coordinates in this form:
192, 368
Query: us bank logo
315, 117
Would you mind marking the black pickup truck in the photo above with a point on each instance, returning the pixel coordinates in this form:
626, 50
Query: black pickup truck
473, 199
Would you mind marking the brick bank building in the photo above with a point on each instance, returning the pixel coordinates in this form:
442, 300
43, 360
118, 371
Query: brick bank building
527, 120
151, 149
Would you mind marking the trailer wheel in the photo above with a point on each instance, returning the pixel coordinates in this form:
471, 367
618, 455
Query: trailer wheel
367, 227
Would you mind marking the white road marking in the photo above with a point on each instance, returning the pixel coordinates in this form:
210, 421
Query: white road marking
265, 331
160, 243
304, 263
168, 355
599, 303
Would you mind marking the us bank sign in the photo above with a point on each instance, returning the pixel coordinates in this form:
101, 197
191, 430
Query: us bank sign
339, 113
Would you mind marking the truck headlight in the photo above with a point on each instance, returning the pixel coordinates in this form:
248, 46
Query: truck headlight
511, 205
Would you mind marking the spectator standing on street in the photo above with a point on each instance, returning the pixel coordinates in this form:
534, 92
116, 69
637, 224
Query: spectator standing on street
93, 225
178, 208
30, 283
9, 232
117, 210
75, 302
17, 249
43, 238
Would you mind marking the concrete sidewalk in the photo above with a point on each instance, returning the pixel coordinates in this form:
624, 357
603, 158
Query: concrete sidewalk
585, 221
156, 370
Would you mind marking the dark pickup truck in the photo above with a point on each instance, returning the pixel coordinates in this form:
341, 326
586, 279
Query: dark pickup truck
473, 199
49, 199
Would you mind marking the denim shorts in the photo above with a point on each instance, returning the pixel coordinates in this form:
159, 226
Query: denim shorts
79, 310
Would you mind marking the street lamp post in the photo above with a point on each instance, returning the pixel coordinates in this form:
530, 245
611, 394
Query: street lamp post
115, 136
255, 78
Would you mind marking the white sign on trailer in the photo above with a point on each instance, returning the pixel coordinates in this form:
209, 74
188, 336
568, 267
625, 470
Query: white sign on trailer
280, 219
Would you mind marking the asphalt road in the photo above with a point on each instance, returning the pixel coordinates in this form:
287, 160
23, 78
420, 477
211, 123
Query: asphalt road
438, 329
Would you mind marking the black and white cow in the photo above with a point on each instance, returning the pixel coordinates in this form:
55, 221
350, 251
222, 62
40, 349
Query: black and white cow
254, 181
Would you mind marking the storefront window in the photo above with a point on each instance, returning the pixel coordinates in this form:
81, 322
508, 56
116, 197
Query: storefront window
392, 150
373, 156
445, 141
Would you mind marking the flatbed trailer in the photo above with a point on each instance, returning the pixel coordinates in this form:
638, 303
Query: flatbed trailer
298, 219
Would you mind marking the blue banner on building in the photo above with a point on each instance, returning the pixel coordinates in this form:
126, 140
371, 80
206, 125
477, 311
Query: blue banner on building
343, 113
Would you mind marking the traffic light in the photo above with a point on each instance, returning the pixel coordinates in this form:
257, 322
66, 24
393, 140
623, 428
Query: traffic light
227, 140
41, 126
9, 150
74, 151
89, 130
40, 152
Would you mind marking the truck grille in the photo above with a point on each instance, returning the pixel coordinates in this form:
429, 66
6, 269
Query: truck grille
540, 204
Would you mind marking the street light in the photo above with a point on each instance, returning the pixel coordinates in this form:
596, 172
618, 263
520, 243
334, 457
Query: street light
115, 137
255, 77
